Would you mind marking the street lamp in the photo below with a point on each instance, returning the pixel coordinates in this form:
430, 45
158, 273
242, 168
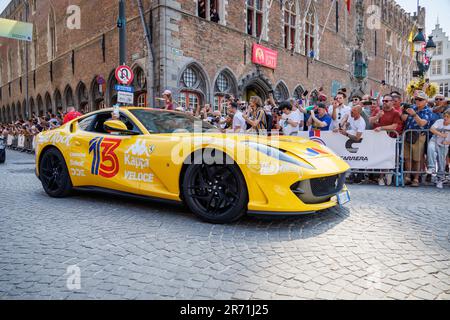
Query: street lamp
424, 53
430, 47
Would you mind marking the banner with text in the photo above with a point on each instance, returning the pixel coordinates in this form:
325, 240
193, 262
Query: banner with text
376, 150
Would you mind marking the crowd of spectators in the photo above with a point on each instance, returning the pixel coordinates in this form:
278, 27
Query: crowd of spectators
423, 151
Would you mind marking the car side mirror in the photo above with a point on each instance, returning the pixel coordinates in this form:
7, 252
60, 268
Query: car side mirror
116, 126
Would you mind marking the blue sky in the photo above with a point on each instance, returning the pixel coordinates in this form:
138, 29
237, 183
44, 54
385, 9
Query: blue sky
435, 9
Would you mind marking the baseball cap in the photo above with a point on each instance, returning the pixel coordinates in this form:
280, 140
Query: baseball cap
167, 93
421, 95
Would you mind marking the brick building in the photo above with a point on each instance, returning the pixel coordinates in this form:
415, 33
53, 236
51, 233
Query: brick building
201, 49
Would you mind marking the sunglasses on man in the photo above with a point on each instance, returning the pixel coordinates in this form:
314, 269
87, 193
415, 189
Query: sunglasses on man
439, 99
387, 101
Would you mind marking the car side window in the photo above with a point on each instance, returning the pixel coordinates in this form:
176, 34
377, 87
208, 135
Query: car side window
86, 123
100, 118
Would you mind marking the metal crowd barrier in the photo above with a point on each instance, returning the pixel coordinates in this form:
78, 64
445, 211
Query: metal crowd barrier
414, 152
23, 143
397, 172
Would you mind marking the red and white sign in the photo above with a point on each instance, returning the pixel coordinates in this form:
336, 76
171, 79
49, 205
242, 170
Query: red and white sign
264, 56
124, 75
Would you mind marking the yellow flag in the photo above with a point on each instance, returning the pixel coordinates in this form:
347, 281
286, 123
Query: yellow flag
411, 40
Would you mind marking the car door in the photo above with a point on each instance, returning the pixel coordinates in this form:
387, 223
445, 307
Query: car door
104, 154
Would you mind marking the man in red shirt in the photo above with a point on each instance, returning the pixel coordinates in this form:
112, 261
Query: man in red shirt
71, 114
388, 118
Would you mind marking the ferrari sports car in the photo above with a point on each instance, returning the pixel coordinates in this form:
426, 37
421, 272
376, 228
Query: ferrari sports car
176, 157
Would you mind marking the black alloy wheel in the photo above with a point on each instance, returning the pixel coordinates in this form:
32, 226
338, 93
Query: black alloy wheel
54, 174
216, 193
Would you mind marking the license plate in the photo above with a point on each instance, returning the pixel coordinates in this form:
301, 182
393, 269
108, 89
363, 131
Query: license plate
343, 198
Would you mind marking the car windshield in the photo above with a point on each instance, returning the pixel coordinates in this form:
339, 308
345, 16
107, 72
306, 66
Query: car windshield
169, 122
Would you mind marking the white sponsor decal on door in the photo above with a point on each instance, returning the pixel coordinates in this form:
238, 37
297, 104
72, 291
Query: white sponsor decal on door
139, 176
140, 149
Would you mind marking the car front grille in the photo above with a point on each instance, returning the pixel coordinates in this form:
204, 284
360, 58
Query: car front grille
327, 186
319, 190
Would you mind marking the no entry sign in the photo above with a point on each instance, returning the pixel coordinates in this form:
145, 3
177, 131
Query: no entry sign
124, 75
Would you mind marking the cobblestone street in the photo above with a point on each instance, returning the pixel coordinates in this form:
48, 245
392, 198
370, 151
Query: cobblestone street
386, 244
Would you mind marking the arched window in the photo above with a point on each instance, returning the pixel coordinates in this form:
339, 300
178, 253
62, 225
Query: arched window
32, 107
111, 91
58, 100
98, 94
13, 112
40, 105
255, 17
51, 35
310, 31
298, 93
140, 88
290, 21
68, 97
281, 92
194, 90
83, 97
19, 111
225, 84
48, 103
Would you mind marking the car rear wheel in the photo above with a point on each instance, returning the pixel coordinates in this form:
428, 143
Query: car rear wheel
54, 175
216, 193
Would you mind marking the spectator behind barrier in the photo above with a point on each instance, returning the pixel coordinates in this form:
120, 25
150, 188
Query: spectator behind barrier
419, 118
322, 121
438, 148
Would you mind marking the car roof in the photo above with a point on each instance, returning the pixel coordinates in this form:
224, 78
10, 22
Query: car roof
136, 108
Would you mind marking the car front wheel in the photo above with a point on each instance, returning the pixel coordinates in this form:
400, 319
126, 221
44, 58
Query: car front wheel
215, 193
54, 175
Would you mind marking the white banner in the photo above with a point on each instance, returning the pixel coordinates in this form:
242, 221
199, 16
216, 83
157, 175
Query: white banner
9, 141
21, 141
376, 150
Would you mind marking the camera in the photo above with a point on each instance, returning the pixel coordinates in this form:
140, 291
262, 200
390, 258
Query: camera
405, 107
367, 103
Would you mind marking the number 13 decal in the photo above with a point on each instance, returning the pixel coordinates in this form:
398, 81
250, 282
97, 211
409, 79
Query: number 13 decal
105, 162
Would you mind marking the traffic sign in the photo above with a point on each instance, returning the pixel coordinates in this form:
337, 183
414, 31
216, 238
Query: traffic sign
124, 75
125, 97
123, 88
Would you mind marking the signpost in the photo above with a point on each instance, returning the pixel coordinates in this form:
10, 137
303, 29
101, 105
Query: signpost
124, 75
125, 92
125, 97
16, 30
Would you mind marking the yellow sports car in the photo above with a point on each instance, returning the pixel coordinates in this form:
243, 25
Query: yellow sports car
174, 156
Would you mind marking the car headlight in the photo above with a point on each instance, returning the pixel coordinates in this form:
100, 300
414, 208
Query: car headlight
277, 154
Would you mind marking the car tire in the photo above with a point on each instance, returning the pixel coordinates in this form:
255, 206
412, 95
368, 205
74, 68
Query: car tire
2, 156
54, 174
216, 193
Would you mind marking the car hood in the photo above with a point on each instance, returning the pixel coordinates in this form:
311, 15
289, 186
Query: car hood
301, 147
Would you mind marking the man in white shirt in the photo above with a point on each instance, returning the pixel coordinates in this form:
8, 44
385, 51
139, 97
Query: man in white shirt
355, 126
338, 111
239, 123
291, 120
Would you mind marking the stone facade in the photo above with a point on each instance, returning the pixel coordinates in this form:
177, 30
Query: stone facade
198, 59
